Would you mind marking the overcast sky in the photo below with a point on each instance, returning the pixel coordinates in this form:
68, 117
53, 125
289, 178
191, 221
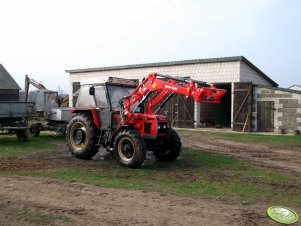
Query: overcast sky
44, 38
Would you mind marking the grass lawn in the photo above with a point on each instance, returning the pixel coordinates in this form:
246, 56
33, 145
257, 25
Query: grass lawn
270, 139
195, 173
10, 147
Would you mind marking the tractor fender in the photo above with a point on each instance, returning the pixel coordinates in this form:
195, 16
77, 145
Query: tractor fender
91, 111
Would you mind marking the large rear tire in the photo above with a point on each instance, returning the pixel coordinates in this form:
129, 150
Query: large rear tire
129, 148
82, 136
171, 148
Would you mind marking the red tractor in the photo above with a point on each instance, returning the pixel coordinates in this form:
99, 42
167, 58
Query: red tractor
120, 115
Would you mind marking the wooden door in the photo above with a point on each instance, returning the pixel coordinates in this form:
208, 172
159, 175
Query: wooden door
265, 116
180, 111
242, 106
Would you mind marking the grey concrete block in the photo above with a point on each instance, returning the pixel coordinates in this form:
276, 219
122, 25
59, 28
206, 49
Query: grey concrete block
267, 91
284, 95
289, 103
265, 95
289, 125
290, 114
287, 110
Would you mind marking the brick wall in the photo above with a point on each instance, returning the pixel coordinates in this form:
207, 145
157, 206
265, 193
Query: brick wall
287, 112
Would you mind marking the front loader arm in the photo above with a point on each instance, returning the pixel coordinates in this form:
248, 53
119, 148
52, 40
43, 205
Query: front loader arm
162, 89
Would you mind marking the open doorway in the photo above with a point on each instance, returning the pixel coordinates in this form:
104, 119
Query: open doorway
217, 115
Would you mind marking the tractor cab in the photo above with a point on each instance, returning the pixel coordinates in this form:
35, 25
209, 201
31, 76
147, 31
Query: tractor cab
104, 94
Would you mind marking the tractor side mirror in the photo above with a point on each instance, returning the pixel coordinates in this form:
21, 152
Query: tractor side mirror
92, 91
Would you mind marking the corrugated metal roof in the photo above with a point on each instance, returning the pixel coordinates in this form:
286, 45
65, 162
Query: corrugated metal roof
173, 63
7, 81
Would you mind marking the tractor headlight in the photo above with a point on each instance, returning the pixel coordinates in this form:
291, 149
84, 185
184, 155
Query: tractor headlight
164, 126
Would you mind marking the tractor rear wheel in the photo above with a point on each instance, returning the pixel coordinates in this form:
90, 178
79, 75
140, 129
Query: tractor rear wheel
129, 148
82, 136
171, 148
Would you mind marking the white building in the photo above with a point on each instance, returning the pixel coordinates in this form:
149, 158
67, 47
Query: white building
224, 72
295, 87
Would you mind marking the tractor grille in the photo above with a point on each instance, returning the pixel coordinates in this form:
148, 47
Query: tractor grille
162, 126
147, 127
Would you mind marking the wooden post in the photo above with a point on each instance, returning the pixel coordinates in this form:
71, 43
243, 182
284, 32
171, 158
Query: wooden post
245, 123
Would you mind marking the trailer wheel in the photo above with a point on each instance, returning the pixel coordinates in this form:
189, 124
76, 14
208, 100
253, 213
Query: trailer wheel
34, 130
171, 149
22, 135
129, 148
82, 136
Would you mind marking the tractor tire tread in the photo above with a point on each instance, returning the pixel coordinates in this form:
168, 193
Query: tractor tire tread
175, 145
140, 152
90, 149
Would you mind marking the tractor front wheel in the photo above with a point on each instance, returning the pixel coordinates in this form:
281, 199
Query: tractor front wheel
129, 148
171, 148
82, 136
34, 130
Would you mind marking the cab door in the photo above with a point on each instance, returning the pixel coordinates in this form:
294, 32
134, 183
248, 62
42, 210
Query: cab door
103, 108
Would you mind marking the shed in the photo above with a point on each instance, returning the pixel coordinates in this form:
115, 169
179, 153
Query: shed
276, 110
9, 89
235, 74
295, 87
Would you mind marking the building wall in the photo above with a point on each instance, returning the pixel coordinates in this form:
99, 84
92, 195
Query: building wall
216, 72
248, 74
220, 72
287, 113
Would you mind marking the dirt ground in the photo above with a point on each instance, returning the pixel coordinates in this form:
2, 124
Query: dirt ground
286, 159
81, 204
89, 205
